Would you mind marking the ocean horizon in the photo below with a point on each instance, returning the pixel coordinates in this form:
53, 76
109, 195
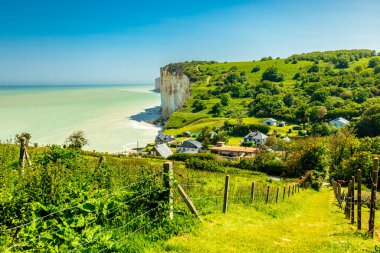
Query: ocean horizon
114, 117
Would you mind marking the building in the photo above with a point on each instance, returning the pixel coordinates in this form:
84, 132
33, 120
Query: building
190, 147
270, 122
233, 151
164, 138
258, 137
281, 123
286, 139
186, 134
161, 150
339, 122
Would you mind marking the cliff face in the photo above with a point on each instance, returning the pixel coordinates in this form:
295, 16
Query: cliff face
175, 90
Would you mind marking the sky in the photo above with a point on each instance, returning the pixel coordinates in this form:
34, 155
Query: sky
121, 42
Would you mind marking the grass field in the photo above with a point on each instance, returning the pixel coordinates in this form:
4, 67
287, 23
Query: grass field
308, 222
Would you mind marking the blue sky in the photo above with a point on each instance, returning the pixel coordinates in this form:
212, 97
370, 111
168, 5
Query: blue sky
107, 42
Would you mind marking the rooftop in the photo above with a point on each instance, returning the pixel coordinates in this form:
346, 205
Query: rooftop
235, 149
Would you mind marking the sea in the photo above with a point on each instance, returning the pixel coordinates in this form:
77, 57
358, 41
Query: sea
114, 118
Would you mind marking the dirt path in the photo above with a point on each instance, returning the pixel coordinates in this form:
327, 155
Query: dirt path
310, 222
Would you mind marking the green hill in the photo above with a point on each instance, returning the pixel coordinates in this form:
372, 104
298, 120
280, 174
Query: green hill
306, 88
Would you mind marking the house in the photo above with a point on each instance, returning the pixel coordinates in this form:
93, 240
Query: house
186, 133
281, 123
233, 151
270, 122
339, 122
164, 138
286, 139
161, 150
190, 147
258, 137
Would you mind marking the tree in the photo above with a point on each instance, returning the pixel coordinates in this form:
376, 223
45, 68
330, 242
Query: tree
341, 63
225, 99
255, 69
217, 109
272, 74
369, 123
77, 140
288, 99
198, 105
316, 113
25, 135
320, 95
376, 70
373, 62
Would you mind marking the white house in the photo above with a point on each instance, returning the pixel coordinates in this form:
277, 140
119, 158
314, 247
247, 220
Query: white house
190, 147
286, 139
161, 150
339, 122
270, 122
164, 138
258, 137
281, 123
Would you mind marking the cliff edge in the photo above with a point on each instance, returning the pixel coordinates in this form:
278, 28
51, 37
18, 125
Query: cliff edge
174, 89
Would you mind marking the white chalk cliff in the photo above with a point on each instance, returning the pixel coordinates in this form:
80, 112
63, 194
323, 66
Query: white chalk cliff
174, 89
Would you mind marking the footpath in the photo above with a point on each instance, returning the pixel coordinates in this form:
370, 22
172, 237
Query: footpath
310, 222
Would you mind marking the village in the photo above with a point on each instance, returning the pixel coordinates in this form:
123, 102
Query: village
166, 145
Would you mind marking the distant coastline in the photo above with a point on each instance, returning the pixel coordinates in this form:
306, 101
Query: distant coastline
114, 117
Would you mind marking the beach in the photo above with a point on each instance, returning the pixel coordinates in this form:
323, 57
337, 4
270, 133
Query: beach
114, 118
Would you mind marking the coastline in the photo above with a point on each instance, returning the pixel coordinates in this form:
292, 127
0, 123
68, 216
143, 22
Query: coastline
114, 118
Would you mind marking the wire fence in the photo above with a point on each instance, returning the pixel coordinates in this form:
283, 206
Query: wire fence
141, 211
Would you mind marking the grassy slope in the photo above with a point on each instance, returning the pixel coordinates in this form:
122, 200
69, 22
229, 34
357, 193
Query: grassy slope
309, 222
186, 120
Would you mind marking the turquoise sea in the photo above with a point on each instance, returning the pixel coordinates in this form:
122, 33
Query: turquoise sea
113, 117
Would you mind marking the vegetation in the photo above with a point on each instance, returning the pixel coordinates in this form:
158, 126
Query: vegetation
309, 89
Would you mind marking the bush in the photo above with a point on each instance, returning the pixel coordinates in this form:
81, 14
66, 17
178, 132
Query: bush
373, 62
208, 165
255, 69
182, 157
272, 74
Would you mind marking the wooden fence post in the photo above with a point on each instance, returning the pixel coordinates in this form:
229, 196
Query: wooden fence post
340, 195
278, 189
226, 186
359, 199
349, 199
188, 201
293, 189
375, 175
267, 198
253, 191
168, 183
284, 193
353, 200
289, 191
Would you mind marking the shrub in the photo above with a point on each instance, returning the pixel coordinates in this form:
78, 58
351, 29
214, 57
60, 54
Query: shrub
182, 157
208, 165
272, 74
373, 62
255, 69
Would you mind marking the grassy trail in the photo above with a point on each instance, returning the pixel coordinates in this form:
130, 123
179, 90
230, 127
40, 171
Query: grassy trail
308, 222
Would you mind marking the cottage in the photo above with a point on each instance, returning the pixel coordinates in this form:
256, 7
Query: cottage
233, 151
270, 122
281, 123
258, 137
190, 147
164, 138
286, 139
161, 150
339, 122
186, 133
